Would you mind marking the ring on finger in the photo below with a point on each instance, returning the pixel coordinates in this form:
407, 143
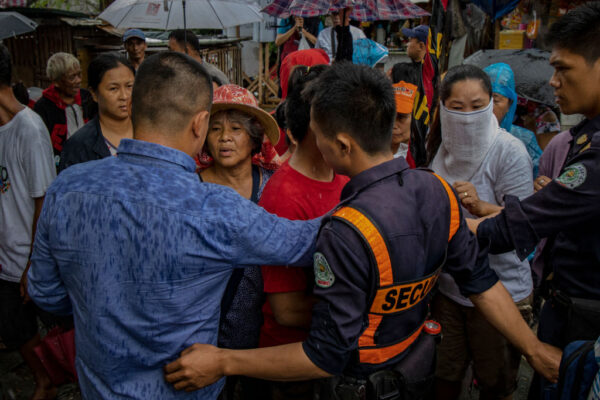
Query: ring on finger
465, 194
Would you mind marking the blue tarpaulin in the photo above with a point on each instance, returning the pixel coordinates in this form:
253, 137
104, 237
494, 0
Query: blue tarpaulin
368, 52
496, 8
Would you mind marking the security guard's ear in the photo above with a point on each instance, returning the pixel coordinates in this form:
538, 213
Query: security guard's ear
290, 137
345, 143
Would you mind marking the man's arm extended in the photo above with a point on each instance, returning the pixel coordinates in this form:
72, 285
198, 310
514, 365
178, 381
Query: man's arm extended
202, 364
499, 309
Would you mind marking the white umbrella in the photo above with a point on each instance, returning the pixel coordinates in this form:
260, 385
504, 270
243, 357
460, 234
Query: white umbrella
176, 14
13, 24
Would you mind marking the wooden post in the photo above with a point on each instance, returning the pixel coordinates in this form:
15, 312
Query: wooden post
260, 73
266, 54
497, 34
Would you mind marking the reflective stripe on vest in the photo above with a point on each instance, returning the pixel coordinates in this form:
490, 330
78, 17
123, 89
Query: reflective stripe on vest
391, 298
454, 209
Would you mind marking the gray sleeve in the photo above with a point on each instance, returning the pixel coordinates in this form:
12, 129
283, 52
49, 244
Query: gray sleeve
324, 42
515, 175
37, 158
215, 73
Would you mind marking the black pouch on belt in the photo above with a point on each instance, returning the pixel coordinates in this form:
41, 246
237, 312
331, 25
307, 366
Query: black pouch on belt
583, 320
412, 378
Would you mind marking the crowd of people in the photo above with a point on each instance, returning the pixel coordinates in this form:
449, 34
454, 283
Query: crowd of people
187, 235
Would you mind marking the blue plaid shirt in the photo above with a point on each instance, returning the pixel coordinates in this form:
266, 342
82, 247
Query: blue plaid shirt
140, 251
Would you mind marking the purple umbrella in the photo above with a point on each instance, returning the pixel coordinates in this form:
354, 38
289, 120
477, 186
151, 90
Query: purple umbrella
363, 10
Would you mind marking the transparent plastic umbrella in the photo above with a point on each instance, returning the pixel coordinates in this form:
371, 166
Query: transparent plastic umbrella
14, 24
176, 14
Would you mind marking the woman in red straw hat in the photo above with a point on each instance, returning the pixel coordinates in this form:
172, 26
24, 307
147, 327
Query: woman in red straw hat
235, 134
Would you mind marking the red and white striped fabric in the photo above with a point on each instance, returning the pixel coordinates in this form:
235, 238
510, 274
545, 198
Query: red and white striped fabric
13, 3
364, 10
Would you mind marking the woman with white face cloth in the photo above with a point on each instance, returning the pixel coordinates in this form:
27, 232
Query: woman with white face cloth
483, 163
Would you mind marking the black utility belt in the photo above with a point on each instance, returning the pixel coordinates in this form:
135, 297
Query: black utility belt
560, 298
412, 378
582, 316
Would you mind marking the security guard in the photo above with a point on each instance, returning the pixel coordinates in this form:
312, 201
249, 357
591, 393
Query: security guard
567, 209
379, 254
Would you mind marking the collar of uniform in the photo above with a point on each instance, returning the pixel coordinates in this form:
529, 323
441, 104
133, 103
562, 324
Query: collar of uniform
141, 150
371, 175
588, 126
582, 135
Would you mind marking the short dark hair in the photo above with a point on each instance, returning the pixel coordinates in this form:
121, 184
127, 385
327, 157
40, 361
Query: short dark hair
578, 31
102, 64
182, 36
20, 92
357, 100
169, 89
461, 73
297, 108
5, 66
406, 72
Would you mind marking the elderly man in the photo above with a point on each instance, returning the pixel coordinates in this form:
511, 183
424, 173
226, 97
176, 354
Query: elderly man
134, 41
64, 105
140, 251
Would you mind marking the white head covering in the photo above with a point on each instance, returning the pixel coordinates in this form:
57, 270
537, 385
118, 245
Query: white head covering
466, 140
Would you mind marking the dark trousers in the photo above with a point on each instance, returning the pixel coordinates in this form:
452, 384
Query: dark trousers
551, 330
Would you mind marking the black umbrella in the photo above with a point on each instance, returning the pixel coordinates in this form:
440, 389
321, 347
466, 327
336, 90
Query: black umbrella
13, 24
531, 68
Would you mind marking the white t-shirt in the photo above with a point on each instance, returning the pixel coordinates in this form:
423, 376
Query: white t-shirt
506, 169
26, 170
74, 115
324, 40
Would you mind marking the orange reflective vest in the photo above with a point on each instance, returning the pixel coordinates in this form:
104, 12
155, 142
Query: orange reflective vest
391, 297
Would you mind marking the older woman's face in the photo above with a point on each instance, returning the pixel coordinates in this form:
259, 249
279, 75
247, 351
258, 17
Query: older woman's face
501, 106
70, 82
401, 131
228, 141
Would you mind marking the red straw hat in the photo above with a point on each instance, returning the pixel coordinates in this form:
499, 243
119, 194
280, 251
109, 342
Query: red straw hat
234, 97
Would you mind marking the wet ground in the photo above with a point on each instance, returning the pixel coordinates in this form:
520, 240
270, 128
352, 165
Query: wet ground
16, 381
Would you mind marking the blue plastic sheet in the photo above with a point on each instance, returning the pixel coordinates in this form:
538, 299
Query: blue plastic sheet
496, 8
368, 52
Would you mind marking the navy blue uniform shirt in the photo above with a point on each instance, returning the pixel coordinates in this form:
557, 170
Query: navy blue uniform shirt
567, 210
412, 212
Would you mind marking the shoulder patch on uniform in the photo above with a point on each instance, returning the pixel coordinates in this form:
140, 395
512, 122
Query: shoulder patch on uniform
324, 277
582, 139
586, 147
573, 176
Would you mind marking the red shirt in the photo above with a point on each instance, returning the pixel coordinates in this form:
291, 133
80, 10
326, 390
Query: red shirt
291, 195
